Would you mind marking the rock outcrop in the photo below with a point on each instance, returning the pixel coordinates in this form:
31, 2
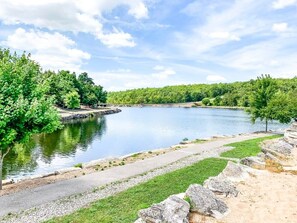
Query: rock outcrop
171, 210
204, 201
221, 186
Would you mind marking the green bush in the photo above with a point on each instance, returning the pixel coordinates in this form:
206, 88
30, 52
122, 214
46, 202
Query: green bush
71, 100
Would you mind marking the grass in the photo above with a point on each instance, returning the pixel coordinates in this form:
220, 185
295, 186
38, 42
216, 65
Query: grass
123, 207
246, 148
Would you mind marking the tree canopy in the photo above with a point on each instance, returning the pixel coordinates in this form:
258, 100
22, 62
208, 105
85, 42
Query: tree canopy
24, 107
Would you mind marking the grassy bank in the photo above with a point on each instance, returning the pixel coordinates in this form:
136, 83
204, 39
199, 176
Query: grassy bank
123, 207
247, 148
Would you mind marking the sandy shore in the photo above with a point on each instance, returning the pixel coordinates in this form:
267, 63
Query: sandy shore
264, 197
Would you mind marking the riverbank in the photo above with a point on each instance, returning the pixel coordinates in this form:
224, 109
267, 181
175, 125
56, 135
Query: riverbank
85, 112
86, 187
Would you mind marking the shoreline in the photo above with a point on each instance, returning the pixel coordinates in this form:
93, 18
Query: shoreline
103, 164
69, 114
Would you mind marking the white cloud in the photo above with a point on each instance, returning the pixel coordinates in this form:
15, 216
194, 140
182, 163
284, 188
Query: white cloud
280, 4
51, 50
223, 35
163, 72
280, 27
72, 16
215, 78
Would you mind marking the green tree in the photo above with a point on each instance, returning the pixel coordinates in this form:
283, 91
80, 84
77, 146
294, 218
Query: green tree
265, 89
24, 109
71, 100
206, 101
283, 107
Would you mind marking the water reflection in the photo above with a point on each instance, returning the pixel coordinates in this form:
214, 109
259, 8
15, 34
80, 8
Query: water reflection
75, 136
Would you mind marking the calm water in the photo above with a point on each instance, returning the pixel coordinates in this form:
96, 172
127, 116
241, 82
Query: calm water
132, 130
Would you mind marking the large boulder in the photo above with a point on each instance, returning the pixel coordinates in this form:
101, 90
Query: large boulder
221, 186
254, 162
277, 147
234, 172
204, 201
171, 210
290, 135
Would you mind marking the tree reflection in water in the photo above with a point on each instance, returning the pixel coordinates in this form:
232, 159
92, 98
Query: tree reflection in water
75, 135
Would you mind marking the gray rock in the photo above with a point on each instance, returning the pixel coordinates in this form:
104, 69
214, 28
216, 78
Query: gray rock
234, 172
277, 147
139, 220
171, 210
290, 135
221, 186
205, 202
254, 162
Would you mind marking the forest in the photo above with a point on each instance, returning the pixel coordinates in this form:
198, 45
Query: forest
222, 94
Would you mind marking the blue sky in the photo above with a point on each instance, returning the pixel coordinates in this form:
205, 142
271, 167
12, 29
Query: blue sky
126, 44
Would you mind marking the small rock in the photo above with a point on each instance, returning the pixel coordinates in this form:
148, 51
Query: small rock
221, 186
66, 170
171, 210
205, 202
7, 182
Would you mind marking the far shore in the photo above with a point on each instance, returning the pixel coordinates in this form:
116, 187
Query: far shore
179, 105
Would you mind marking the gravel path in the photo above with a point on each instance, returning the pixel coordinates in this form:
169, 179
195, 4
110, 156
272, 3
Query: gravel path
71, 203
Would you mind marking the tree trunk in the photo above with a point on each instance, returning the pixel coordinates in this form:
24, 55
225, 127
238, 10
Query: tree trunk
1, 169
1, 164
266, 122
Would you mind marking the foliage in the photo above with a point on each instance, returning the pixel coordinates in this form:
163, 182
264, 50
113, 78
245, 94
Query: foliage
24, 109
246, 148
71, 100
265, 89
222, 94
63, 83
268, 102
206, 101
124, 206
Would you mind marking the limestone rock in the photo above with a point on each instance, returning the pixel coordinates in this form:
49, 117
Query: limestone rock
171, 210
290, 135
221, 186
205, 202
278, 147
253, 162
234, 172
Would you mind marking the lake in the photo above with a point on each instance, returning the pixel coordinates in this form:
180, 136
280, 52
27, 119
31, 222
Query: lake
132, 130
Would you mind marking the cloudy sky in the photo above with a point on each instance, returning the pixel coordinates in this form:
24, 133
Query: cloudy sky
126, 44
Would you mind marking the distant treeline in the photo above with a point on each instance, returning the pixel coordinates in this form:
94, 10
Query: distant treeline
222, 94
71, 90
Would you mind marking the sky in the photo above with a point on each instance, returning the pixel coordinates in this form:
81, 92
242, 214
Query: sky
126, 44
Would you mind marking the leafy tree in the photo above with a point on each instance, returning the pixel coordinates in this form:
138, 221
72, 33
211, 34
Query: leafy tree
71, 100
206, 101
265, 89
283, 107
24, 109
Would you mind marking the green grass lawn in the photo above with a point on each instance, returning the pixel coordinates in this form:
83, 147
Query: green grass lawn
124, 206
246, 148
